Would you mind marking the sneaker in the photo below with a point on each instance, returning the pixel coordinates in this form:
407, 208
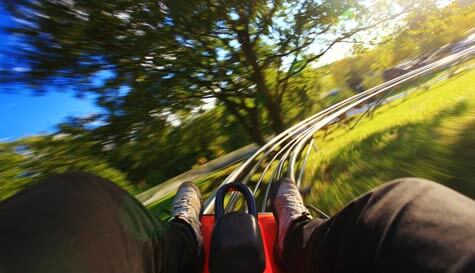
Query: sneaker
187, 205
287, 206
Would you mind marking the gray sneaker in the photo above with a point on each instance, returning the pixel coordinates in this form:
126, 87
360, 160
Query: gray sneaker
287, 206
187, 205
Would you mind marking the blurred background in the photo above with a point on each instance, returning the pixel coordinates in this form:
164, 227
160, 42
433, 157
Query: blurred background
145, 93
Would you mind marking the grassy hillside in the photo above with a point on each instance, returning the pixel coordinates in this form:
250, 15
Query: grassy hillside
430, 134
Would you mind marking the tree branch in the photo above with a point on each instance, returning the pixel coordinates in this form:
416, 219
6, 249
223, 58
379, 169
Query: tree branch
337, 40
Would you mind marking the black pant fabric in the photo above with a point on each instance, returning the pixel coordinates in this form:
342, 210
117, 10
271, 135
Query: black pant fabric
81, 223
408, 225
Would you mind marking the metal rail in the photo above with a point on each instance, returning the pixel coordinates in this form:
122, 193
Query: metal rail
288, 147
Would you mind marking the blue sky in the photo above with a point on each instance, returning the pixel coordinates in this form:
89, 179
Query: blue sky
26, 114
21, 112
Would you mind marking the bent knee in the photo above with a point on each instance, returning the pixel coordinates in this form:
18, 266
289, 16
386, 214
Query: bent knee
76, 179
409, 194
410, 183
69, 184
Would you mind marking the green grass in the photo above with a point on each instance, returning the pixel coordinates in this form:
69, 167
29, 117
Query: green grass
429, 134
161, 208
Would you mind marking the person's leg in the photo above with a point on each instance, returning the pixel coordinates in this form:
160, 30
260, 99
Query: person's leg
182, 247
183, 239
408, 225
78, 222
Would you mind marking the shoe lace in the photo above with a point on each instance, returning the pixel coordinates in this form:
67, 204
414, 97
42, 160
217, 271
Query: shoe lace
182, 206
292, 205
292, 200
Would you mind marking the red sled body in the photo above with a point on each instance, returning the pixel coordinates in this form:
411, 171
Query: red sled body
269, 233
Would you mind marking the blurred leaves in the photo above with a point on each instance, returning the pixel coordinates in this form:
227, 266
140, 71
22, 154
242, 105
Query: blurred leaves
423, 35
12, 177
33, 159
156, 68
171, 55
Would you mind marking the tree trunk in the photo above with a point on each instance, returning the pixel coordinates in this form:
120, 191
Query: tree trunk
251, 126
272, 105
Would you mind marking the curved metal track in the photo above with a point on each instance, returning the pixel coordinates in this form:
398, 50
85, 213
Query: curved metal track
282, 153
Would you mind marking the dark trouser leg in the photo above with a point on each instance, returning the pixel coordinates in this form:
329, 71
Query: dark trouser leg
82, 223
182, 249
409, 225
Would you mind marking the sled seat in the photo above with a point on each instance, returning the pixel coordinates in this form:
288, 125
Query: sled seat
269, 232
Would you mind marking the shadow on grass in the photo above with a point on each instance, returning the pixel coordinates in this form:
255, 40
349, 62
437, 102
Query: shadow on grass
417, 149
463, 168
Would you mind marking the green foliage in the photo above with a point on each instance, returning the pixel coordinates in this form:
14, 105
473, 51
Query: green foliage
176, 149
173, 54
423, 34
12, 175
165, 58
32, 159
434, 29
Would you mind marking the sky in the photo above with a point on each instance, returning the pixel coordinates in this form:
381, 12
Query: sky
25, 114
21, 112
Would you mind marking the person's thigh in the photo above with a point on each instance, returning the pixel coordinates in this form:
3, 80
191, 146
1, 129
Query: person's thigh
408, 225
77, 222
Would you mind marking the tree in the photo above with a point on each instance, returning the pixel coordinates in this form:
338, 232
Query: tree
12, 176
32, 159
153, 151
170, 55
419, 38
351, 71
